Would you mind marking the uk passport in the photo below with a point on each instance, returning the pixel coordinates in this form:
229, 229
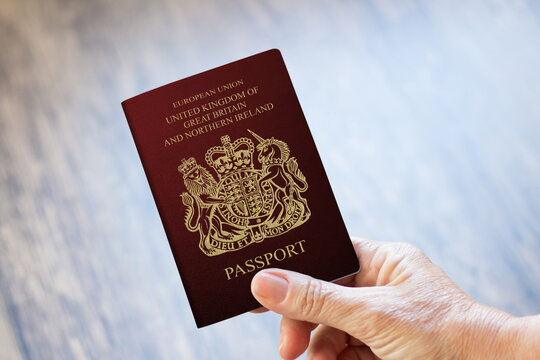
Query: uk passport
238, 183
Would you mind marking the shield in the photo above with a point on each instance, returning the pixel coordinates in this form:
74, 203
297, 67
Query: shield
242, 192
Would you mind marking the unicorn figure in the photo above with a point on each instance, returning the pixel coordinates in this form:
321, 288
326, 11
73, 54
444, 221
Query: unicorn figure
282, 172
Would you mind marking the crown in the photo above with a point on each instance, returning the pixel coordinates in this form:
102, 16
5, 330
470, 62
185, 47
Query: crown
232, 156
187, 166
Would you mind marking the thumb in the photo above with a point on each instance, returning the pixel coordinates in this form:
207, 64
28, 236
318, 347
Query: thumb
302, 297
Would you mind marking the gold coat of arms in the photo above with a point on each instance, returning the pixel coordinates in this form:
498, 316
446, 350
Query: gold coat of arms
245, 204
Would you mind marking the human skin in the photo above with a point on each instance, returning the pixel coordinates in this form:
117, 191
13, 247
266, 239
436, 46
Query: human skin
399, 306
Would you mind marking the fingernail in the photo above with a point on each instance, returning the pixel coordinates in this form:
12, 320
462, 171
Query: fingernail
270, 286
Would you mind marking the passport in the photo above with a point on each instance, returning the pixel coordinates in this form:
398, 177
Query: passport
238, 183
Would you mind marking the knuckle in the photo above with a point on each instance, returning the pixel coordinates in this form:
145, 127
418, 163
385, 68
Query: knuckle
412, 253
409, 249
406, 247
313, 300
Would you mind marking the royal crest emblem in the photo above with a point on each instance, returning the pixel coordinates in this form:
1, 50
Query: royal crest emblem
246, 204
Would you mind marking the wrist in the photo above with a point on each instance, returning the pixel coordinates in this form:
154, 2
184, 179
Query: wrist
482, 332
527, 341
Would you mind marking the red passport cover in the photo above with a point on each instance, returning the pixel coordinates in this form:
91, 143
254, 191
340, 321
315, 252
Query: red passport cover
238, 183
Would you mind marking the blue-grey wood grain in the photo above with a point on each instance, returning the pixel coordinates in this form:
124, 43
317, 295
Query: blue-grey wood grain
426, 115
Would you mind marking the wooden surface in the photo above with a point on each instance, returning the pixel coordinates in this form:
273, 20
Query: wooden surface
426, 115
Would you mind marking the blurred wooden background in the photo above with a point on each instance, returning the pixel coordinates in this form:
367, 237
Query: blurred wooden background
426, 115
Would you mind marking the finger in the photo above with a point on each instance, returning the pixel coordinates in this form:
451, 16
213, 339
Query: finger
346, 281
302, 297
294, 337
371, 258
262, 309
326, 343
383, 263
355, 342
357, 353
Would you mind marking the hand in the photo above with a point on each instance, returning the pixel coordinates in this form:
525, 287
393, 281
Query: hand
399, 306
